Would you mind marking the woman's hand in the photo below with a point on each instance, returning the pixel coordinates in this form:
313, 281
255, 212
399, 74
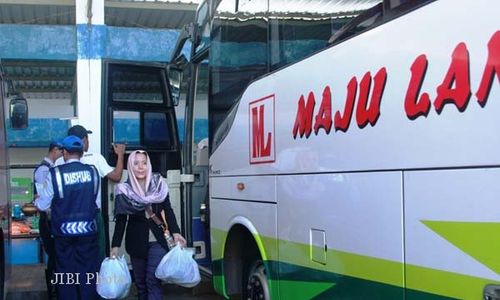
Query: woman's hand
114, 252
179, 239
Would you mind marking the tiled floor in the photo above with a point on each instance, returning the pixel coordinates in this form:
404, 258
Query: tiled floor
27, 282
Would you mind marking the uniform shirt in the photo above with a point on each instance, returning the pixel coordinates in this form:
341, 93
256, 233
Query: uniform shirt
42, 171
99, 162
46, 193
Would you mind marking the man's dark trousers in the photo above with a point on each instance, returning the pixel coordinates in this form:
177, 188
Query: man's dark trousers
77, 255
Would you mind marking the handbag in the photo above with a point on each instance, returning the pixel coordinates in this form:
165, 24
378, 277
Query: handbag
162, 225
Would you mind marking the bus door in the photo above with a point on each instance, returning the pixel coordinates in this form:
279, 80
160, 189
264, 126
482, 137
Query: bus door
196, 151
139, 112
4, 194
193, 80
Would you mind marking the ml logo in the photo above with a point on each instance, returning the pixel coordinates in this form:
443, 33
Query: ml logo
262, 148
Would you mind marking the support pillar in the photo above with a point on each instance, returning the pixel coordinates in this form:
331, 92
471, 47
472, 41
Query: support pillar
91, 34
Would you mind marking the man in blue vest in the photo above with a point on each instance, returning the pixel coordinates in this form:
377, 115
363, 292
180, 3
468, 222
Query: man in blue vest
39, 176
70, 192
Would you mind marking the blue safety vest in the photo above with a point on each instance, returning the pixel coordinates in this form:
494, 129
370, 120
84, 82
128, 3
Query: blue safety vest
73, 207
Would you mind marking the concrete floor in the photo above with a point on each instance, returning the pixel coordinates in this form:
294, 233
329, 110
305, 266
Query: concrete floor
27, 282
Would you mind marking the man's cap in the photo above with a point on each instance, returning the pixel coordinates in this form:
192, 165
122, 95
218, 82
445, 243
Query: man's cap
72, 143
55, 144
79, 131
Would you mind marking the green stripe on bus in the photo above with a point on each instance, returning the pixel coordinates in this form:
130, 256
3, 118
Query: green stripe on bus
269, 245
298, 282
339, 262
445, 283
219, 286
302, 289
473, 238
329, 285
434, 284
218, 240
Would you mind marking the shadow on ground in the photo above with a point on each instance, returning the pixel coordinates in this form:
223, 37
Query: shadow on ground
27, 282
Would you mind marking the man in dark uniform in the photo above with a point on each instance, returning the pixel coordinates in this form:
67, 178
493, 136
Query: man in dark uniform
70, 192
39, 176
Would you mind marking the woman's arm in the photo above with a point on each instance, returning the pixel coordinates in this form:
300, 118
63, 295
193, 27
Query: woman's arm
173, 227
120, 222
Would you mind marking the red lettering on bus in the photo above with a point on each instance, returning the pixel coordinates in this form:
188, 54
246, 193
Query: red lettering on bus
370, 114
342, 122
454, 89
323, 118
414, 108
458, 74
303, 120
260, 147
491, 68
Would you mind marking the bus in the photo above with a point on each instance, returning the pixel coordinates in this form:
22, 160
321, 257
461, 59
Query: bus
353, 147
4, 192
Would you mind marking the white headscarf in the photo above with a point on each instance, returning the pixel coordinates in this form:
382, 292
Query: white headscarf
156, 190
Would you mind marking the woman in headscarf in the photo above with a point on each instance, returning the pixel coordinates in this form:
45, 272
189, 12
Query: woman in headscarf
140, 204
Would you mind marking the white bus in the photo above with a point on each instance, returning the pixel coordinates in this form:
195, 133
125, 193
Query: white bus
354, 147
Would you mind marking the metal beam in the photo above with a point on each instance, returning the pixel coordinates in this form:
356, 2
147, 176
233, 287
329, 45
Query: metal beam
40, 2
38, 78
37, 63
46, 90
151, 5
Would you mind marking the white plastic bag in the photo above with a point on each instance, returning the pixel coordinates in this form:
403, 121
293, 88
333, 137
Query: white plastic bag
179, 267
114, 278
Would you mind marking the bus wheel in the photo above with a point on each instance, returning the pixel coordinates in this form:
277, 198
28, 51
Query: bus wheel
257, 286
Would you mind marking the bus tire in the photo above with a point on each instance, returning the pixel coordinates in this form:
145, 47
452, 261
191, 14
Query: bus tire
257, 287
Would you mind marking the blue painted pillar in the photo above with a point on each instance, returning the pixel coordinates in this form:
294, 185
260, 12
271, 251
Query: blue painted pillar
91, 36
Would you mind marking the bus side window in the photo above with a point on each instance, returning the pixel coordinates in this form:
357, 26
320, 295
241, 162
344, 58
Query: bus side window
295, 36
395, 8
362, 22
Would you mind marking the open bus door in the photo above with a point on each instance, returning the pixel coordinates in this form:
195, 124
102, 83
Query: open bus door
195, 156
138, 111
196, 132
4, 193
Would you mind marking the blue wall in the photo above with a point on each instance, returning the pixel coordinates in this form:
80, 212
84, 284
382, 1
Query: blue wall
37, 42
55, 42
41, 131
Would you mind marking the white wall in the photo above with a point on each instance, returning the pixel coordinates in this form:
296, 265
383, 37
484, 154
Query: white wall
50, 108
26, 156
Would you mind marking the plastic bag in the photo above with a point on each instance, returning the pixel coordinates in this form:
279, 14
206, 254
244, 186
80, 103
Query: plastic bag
114, 279
179, 267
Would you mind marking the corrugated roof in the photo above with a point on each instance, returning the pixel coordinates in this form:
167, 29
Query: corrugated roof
40, 79
37, 14
122, 13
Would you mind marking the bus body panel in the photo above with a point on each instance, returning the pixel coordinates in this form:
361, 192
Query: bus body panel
252, 188
360, 216
435, 140
451, 227
425, 171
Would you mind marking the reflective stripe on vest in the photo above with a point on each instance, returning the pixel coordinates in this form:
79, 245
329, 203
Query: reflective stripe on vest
59, 182
78, 228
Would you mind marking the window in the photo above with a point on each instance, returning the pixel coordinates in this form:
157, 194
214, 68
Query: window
294, 38
156, 134
238, 54
126, 127
137, 84
368, 18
